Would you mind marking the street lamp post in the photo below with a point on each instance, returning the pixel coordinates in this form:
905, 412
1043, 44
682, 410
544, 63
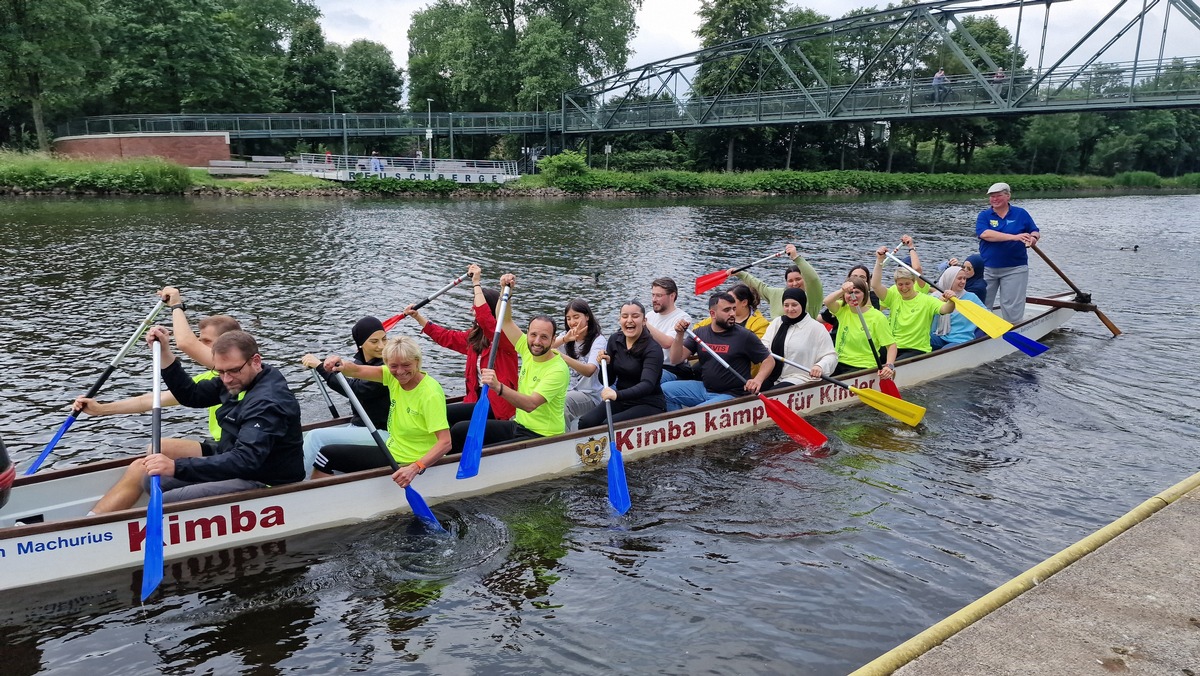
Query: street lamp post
429, 126
333, 112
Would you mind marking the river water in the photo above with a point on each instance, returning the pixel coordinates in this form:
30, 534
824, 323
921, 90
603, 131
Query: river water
742, 556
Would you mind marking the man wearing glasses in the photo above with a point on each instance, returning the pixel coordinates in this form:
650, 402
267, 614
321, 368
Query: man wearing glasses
260, 423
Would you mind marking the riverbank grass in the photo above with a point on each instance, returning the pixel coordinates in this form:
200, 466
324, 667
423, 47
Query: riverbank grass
275, 180
41, 172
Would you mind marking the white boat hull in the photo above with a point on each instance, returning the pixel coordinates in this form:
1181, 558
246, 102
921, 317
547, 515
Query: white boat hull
68, 544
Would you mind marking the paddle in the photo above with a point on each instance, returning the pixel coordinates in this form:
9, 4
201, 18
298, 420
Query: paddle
714, 279
991, 324
796, 427
325, 393
112, 366
904, 411
618, 489
419, 508
468, 462
396, 319
886, 385
994, 326
1080, 296
152, 561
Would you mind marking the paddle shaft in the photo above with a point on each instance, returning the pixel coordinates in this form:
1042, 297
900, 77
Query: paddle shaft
325, 393
362, 413
870, 341
501, 309
612, 434
1103, 318
152, 561
435, 294
95, 389
764, 259
808, 369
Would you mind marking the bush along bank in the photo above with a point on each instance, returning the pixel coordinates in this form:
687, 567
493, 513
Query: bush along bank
35, 173
566, 174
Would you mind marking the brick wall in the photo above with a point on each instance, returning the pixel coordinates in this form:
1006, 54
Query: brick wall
191, 150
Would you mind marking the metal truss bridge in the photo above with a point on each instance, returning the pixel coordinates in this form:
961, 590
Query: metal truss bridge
876, 66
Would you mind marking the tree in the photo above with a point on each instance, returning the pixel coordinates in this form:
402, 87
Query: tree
724, 21
45, 50
175, 56
310, 74
370, 81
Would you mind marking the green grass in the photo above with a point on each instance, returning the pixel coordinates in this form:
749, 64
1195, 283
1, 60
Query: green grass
41, 172
276, 180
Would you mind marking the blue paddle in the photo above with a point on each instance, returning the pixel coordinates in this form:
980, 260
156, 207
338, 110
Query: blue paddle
96, 387
618, 489
419, 507
468, 463
152, 563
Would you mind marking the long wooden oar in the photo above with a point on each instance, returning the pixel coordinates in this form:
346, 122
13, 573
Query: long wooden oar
468, 463
1080, 296
325, 393
904, 411
618, 488
112, 366
796, 427
420, 508
990, 323
396, 319
887, 386
152, 561
714, 279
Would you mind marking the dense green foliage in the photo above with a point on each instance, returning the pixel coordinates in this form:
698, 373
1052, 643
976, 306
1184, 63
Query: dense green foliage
42, 173
69, 58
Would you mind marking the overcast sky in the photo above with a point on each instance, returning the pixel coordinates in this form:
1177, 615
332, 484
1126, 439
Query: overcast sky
668, 27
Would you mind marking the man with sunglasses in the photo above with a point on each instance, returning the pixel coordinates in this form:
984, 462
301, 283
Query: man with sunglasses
259, 418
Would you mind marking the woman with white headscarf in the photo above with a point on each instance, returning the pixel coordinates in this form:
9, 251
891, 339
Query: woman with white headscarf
953, 328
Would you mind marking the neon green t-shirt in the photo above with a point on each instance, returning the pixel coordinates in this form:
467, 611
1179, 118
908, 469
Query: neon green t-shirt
548, 378
414, 417
852, 345
214, 428
911, 319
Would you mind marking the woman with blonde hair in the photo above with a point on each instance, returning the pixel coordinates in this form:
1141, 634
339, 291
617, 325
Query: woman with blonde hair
418, 434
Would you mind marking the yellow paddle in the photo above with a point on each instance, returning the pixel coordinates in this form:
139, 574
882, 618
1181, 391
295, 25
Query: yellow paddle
904, 411
993, 325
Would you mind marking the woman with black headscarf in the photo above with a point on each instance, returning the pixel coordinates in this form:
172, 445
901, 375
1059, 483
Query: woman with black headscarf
800, 338
369, 338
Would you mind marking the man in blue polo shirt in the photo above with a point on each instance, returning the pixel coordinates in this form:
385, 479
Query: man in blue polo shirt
1004, 233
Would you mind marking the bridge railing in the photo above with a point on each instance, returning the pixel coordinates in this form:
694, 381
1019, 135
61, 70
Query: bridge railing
263, 125
1099, 87
310, 162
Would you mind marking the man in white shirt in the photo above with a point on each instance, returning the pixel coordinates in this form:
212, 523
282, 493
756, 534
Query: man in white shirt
662, 320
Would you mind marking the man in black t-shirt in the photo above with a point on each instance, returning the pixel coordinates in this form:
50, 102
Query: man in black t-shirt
737, 345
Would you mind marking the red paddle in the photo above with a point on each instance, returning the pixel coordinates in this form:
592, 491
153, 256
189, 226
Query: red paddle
796, 427
395, 319
714, 279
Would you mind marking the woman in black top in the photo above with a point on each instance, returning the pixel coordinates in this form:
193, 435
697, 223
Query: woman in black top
635, 365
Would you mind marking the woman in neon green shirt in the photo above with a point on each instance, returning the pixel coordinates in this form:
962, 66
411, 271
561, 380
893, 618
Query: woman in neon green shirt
853, 347
418, 434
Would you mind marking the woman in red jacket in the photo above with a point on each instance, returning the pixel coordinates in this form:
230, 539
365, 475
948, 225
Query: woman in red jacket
476, 344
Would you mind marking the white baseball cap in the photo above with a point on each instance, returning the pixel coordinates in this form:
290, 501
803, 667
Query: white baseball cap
999, 187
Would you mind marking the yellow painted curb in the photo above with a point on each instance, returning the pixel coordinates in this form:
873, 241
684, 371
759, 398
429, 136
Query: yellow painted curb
935, 635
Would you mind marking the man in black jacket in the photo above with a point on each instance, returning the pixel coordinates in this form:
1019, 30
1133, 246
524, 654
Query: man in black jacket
260, 432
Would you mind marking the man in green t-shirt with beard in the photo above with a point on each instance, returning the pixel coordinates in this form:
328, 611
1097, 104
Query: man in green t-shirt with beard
541, 391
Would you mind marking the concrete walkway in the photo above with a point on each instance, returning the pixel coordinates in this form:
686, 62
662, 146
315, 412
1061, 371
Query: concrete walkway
1130, 607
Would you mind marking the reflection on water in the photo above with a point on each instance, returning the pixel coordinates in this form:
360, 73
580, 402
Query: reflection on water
745, 555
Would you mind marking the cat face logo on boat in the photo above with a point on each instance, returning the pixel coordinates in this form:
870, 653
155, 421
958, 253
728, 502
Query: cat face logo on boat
591, 452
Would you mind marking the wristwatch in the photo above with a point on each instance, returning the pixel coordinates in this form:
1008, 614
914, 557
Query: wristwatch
179, 306
890, 366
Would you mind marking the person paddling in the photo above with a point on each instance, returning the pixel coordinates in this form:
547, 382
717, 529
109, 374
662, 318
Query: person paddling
634, 368
798, 337
911, 311
848, 304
